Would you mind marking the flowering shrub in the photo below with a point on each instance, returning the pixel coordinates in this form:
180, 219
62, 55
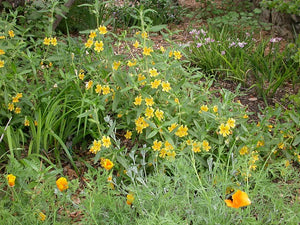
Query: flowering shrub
158, 132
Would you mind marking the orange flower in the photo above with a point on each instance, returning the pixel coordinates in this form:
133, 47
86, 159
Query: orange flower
130, 199
11, 180
239, 199
42, 216
106, 164
62, 184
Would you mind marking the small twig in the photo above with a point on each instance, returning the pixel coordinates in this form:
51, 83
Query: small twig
5, 129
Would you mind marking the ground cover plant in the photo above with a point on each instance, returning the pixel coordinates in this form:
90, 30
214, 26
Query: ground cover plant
110, 128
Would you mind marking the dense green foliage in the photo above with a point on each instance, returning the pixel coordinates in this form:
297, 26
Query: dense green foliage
141, 131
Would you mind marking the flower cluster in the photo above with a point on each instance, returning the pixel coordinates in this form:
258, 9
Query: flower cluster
50, 41
16, 99
197, 146
98, 45
97, 144
225, 128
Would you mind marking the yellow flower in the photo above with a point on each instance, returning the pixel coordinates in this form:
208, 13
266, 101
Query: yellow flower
26, 122
138, 100
156, 145
42, 216
116, 65
155, 84
205, 145
149, 113
253, 167
244, 150
203, 108
106, 141
172, 127
15, 99
171, 155
96, 147
35, 123
11, 106
88, 85
149, 101
224, 129
153, 72
102, 30
239, 199
53, 41
163, 152
176, 100
196, 147
106, 164
2, 37
166, 86
105, 90
245, 116
128, 134
147, 51
98, 89
260, 143
19, 95
17, 110
81, 76
136, 44
189, 142
47, 41
144, 34
1, 63
159, 114
162, 49
231, 123
11, 33
140, 124
281, 145
215, 108
11, 180
182, 131
2, 52
98, 46
168, 146
287, 163
92, 34
62, 184
89, 43
130, 64
141, 77
177, 55
170, 54
130, 199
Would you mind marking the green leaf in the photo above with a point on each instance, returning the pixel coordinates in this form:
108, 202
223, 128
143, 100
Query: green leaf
296, 140
85, 114
157, 28
294, 118
152, 134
